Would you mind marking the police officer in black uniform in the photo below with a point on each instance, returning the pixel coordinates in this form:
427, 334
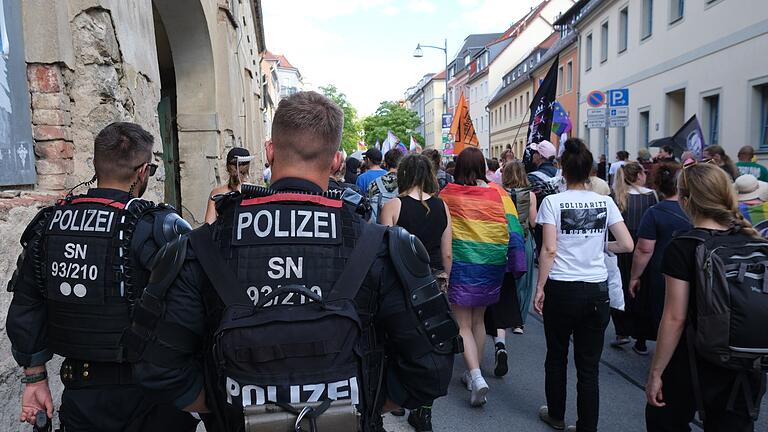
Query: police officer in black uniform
288, 287
84, 263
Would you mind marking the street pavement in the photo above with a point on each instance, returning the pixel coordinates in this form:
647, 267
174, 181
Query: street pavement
514, 401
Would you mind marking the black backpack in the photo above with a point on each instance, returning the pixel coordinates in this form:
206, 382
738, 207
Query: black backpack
289, 349
731, 315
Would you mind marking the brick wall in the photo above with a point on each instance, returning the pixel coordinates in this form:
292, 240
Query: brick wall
51, 124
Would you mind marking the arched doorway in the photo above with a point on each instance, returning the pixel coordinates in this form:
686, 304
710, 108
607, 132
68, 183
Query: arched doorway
187, 109
166, 113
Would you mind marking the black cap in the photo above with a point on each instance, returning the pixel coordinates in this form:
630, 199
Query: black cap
373, 155
235, 153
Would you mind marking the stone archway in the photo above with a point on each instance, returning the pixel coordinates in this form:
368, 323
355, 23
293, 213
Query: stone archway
186, 27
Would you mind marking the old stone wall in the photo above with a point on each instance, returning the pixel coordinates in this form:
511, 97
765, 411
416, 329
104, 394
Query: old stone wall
70, 103
93, 62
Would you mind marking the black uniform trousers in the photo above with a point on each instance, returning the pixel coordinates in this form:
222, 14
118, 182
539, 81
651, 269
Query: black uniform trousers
104, 407
580, 309
716, 384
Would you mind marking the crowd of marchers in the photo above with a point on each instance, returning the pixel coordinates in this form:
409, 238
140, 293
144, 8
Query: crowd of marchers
600, 243
331, 288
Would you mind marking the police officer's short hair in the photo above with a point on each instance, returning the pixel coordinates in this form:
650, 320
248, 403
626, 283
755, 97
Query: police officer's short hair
119, 149
307, 128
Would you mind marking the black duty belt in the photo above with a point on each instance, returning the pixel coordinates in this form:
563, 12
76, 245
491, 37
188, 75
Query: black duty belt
81, 374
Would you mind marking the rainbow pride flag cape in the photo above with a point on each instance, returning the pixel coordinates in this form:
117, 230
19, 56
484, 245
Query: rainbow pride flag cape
487, 242
755, 214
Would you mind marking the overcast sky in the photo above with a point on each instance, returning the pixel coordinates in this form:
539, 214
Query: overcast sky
365, 47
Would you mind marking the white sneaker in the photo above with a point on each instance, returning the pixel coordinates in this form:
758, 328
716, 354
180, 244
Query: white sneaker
466, 379
479, 389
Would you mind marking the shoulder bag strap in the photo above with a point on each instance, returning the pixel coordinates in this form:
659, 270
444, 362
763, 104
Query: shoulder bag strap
207, 253
363, 256
695, 382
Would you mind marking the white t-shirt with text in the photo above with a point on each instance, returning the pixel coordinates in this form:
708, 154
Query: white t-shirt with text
581, 218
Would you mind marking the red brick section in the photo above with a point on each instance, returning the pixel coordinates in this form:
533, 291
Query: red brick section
51, 124
28, 199
44, 78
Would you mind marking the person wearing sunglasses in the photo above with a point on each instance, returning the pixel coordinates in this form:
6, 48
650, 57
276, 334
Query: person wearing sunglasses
86, 261
238, 169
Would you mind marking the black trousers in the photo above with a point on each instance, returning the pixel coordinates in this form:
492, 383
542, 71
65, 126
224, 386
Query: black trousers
506, 313
119, 409
580, 309
717, 385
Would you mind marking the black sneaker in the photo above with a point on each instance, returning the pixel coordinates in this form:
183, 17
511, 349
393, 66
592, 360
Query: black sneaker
421, 419
501, 368
398, 412
640, 348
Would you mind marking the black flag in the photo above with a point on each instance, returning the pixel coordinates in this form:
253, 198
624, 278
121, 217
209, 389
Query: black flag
542, 108
690, 138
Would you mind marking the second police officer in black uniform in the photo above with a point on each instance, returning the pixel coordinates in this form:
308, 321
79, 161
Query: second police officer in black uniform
84, 263
300, 315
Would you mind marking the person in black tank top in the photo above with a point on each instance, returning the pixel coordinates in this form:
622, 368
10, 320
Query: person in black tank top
425, 222
426, 217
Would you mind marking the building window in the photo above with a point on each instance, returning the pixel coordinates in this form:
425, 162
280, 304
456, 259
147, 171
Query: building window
676, 10
527, 99
763, 121
588, 52
525, 67
623, 29
604, 42
505, 113
644, 128
569, 76
712, 118
560, 80
647, 23
466, 59
622, 139
515, 107
585, 137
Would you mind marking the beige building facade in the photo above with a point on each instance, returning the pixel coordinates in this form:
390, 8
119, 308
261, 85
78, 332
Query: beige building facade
188, 71
677, 58
434, 92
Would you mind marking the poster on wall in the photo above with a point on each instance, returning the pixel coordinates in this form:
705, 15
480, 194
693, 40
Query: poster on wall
17, 159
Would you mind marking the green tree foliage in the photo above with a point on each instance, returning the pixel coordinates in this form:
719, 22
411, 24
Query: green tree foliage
391, 116
350, 136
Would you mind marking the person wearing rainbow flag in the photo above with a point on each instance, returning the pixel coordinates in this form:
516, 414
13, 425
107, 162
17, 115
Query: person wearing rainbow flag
487, 242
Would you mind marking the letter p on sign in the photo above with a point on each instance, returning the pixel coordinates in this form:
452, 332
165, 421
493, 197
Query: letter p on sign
618, 97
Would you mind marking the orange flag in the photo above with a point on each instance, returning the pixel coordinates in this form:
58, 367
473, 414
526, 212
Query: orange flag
462, 129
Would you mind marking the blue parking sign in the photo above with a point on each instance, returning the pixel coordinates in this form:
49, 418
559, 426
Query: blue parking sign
618, 97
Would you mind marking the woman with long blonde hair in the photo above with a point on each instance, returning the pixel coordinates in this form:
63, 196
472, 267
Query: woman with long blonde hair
633, 199
707, 197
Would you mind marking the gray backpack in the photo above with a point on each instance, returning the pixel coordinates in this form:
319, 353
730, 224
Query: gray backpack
381, 198
731, 299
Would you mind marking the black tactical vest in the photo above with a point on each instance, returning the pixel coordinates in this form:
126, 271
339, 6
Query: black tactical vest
268, 243
87, 273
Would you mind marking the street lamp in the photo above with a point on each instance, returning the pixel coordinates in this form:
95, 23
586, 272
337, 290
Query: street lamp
418, 53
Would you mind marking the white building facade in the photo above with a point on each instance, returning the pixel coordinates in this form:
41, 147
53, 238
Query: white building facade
678, 58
